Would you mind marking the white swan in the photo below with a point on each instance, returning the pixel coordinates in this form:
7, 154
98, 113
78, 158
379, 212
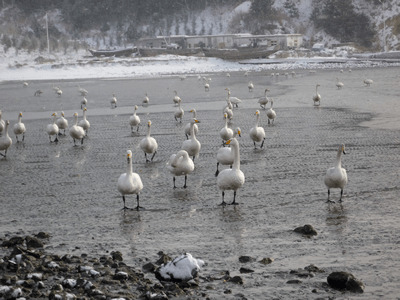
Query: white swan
146, 101
55, 88
176, 98
272, 74
187, 127
250, 86
59, 92
231, 179
2, 124
83, 102
62, 123
317, 97
336, 177
257, 134
246, 74
192, 146
226, 133
179, 112
84, 123
38, 93
368, 82
25, 84
19, 128
52, 129
129, 182
234, 100
182, 77
5, 140
76, 132
264, 100
286, 75
293, 73
180, 164
113, 101
228, 108
149, 144
339, 84
228, 75
206, 86
134, 120
82, 91
225, 154
271, 114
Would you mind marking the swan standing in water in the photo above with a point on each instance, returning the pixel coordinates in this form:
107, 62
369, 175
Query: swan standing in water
234, 100
52, 129
113, 101
82, 91
179, 112
76, 132
251, 86
271, 114
129, 182
192, 146
134, 120
62, 123
180, 164
225, 154
257, 133
19, 128
317, 97
176, 98
206, 86
5, 141
149, 144
336, 177
83, 102
225, 133
2, 124
84, 123
339, 84
146, 101
368, 82
264, 100
187, 127
231, 179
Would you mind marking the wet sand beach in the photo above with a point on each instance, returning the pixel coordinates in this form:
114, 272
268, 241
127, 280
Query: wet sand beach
71, 192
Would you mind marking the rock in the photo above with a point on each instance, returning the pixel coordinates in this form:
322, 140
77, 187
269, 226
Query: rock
116, 255
16, 240
43, 235
228, 291
236, 279
344, 280
246, 259
294, 281
266, 261
314, 269
33, 243
149, 267
163, 259
245, 270
306, 230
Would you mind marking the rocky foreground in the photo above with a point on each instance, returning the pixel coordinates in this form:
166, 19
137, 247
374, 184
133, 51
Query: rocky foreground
29, 272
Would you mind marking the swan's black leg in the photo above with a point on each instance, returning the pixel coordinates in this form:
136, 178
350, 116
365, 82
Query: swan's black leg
17, 138
234, 198
217, 172
185, 186
176, 119
123, 198
187, 137
81, 141
145, 155
255, 147
329, 193
262, 144
193, 158
341, 194
132, 129
223, 203
153, 156
138, 207
50, 138
74, 143
174, 183
268, 121
137, 130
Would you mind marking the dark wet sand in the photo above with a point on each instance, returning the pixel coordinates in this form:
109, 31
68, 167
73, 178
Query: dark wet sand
71, 192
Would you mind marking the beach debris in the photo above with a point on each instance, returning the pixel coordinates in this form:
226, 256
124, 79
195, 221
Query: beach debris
307, 230
345, 281
182, 268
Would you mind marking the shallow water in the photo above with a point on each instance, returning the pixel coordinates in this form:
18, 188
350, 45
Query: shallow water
71, 192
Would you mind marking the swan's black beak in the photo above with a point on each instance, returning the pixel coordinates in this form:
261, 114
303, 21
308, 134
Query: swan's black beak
344, 152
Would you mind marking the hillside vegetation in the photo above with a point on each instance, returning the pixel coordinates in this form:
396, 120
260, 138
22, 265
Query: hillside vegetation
74, 24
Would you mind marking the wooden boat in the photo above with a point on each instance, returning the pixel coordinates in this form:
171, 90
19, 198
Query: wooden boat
120, 52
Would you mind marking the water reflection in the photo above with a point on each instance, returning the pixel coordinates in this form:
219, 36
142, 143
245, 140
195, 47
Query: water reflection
336, 218
131, 227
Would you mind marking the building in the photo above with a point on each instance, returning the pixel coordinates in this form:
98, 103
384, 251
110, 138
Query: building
224, 41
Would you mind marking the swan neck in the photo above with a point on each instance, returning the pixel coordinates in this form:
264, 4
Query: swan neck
192, 134
236, 155
19, 119
148, 131
84, 114
54, 119
6, 129
257, 119
76, 120
129, 167
339, 159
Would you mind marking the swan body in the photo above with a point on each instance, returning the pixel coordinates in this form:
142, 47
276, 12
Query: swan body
84, 123
272, 74
5, 140
52, 129
180, 164
81, 90
134, 120
286, 75
59, 92
246, 74
55, 88
234, 100
339, 84
83, 102
38, 93
25, 84
225, 154
228, 108
19, 128
271, 114
228, 75
206, 86
149, 144
182, 77
257, 133
317, 97
336, 177
368, 82
178, 114
293, 73
146, 101
187, 127
226, 133
176, 98
2, 124
129, 182
250, 86
264, 100
76, 132
192, 146
113, 101
231, 179
62, 122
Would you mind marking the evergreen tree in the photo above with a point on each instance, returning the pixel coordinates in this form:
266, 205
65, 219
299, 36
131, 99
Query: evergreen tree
262, 8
